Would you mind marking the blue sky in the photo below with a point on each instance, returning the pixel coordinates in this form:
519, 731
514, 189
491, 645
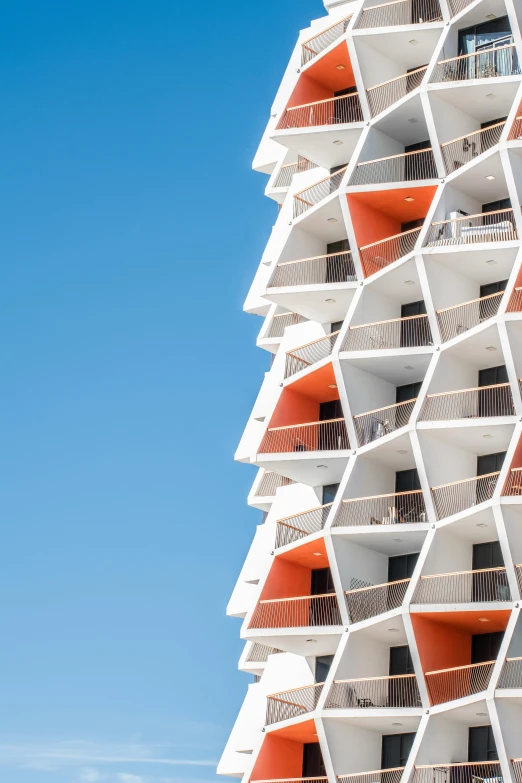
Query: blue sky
131, 228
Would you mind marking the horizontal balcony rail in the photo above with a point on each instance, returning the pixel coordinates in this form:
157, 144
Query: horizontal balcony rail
516, 130
370, 601
457, 496
394, 692
313, 194
497, 226
457, 319
456, 6
470, 771
496, 400
293, 703
458, 152
377, 776
315, 436
287, 171
297, 526
515, 301
270, 482
306, 355
281, 320
315, 45
400, 12
412, 331
342, 110
513, 485
458, 682
378, 255
405, 167
331, 268
483, 585
392, 509
380, 422
511, 674
259, 653
485, 64
293, 780
387, 93
301, 612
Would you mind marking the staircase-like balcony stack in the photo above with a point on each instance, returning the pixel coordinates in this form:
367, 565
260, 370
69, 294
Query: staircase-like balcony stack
393, 692
370, 601
390, 509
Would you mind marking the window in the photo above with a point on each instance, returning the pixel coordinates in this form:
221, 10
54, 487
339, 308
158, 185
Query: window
400, 660
313, 764
481, 744
401, 566
409, 391
396, 749
322, 667
485, 646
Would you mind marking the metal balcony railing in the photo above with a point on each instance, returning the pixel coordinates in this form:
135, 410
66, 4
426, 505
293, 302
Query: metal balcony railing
270, 483
516, 130
380, 422
458, 152
456, 6
400, 12
412, 331
287, 171
378, 255
306, 355
370, 601
457, 319
292, 704
377, 776
458, 682
515, 301
392, 509
293, 780
518, 572
485, 64
301, 612
314, 436
375, 692
517, 770
315, 45
318, 270
474, 772
281, 320
387, 93
297, 526
513, 485
511, 674
342, 110
457, 496
259, 653
497, 226
405, 167
496, 400
481, 586
313, 194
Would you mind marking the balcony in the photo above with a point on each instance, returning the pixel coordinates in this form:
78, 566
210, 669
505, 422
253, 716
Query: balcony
380, 422
342, 110
515, 134
314, 436
511, 674
460, 681
463, 587
496, 400
378, 255
474, 772
454, 321
513, 485
301, 612
387, 93
377, 776
497, 226
259, 653
315, 45
298, 526
318, 270
312, 195
270, 483
393, 509
411, 332
370, 601
515, 301
287, 171
456, 6
292, 704
306, 355
405, 167
394, 692
458, 496
486, 64
399, 12
458, 152
281, 320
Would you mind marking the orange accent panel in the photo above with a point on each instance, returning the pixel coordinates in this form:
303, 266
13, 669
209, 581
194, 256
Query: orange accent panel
300, 732
304, 554
316, 384
322, 79
279, 757
287, 580
516, 462
294, 408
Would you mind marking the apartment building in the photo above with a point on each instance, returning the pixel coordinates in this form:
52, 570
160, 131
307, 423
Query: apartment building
381, 596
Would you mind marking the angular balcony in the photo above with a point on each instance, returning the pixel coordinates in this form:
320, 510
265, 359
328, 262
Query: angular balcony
292, 704
511, 674
281, 320
405, 167
298, 526
454, 321
313, 194
378, 255
393, 509
313, 436
395, 692
460, 681
387, 93
342, 110
515, 301
287, 171
474, 772
513, 485
270, 483
315, 45
410, 332
515, 134
259, 653
370, 601
497, 226
496, 400
464, 587
393, 775
380, 422
301, 612
458, 496
485, 64
318, 270
399, 12
306, 355
458, 152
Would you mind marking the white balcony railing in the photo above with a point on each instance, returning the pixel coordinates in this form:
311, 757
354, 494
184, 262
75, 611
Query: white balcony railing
298, 526
458, 152
497, 226
378, 255
454, 321
293, 703
312, 195
458, 496
485, 64
270, 483
342, 110
288, 170
377, 776
313, 436
458, 682
387, 93
484, 585
306, 355
391, 509
495, 400
513, 485
370, 601
380, 422
315, 45
474, 772
393, 692
405, 167
515, 301
318, 270
400, 12
281, 320
299, 612
410, 332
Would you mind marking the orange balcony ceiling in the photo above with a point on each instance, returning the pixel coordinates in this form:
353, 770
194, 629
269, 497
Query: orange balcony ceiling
469, 622
279, 757
316, 385
300, 732
299, 401
323, 78
307, 554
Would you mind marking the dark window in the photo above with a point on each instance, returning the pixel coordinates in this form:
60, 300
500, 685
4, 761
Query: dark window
413, 308
485, 646
407, 480
400, 660
329, 493
489, 123
490, 463
335, 326
411, 224
337, 247
346, 91
493, 288
322, 581
481, 744
492, 375
409, 391
330, 410
322, 667
396, 749
401, 566
339, 268
313, 765
488, 555
487, 35
411, 330
493, 206
491, 404
495, 586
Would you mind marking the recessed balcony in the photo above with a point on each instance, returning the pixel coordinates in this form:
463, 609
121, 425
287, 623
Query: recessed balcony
399, 12
318, 270
485, 64
379, 255
312, 195
297, 526
380, 422
480, 586
395, 692
294, 703
497, 226
370, 601
300, 612
383, 95
315, 45
410, 332
270, 483
458, 496
458, 682
288, 170
281, 320
513, 485
405, 167
483, 402
458, 152
398, 508
305, 356
475, 772
456, 320
313, 436
515, 301
377, 776
342, 110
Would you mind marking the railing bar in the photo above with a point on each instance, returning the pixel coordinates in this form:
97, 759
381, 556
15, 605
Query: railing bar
464, 481
402, 234
458, 668
301, 513
307, 424
390, 320
471, 301
462, 391
325, 100
326, 255
387, 495
473, 133
391, 157
326, 30
374, 587
386, 407
300, 598
402, 76
468, 217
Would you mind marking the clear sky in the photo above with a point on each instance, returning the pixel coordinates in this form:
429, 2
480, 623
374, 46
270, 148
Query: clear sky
131, 227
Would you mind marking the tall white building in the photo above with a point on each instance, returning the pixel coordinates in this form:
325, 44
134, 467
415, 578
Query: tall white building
381, 596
